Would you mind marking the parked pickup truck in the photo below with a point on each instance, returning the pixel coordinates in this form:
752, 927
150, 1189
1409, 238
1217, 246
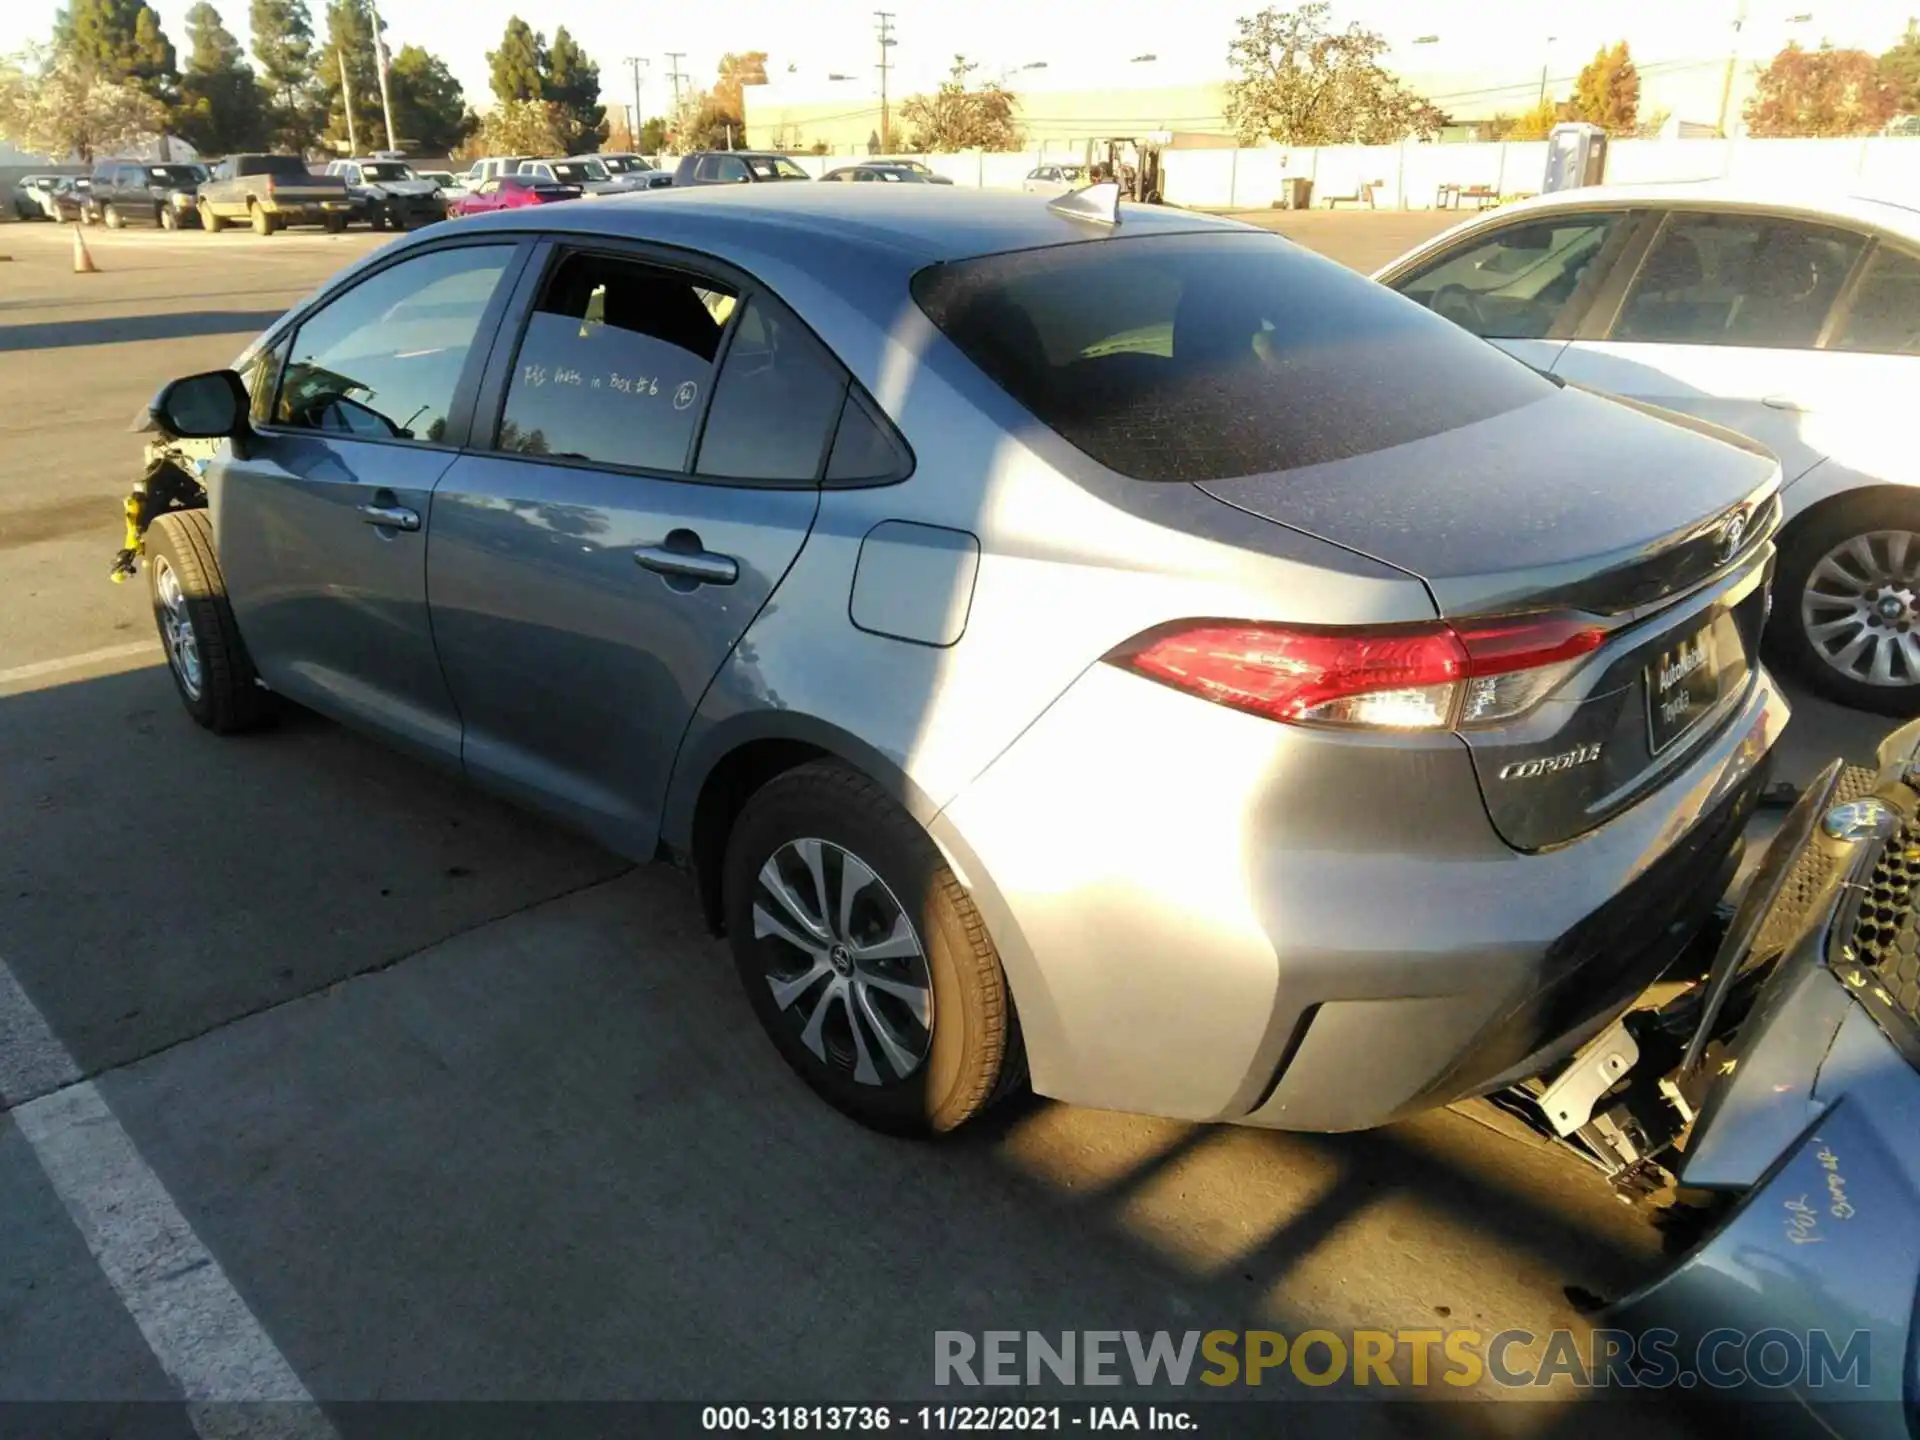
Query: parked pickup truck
272, 191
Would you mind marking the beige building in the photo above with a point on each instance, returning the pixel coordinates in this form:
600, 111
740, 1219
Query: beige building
844, 117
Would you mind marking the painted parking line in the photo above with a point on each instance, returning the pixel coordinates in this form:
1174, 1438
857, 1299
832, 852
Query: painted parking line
232, 1376
40, 668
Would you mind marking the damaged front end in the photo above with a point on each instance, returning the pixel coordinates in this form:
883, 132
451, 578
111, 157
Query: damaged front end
1773, 1109
171, 481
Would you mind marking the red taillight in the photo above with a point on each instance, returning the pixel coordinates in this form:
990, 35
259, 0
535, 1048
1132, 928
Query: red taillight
1419, 677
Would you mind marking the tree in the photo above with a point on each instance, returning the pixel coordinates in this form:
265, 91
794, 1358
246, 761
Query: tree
122, 40
1607, 93
59, 105
522, 127
572, 82
956, 118
1537, 123
350, 39
1298, 81
429, 107
1820, 92
221, 106
283, 45
737, 71
708, 125
653, 136
519, 67
1900, 72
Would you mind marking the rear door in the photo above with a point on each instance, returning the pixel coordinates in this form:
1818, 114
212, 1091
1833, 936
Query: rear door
661, 434
1723, 318
322, 522
1525, 284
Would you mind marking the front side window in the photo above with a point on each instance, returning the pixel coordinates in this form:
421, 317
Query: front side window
775, 403
776, 167
615, 365
1203, 357
1884, 314
1515, 283
1731, 279
383, 360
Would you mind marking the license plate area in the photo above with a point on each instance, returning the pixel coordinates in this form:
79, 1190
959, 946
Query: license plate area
1682, 685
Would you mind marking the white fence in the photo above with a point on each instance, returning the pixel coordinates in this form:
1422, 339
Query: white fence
1410, 176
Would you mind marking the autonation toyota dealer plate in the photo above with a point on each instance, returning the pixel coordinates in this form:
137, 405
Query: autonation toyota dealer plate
1681, 688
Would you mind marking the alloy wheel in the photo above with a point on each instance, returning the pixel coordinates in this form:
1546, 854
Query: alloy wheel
176, 628
1860, 609
844, 961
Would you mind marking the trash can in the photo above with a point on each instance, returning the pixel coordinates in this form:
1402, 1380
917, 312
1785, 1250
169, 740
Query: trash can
1576, 156
1296, 193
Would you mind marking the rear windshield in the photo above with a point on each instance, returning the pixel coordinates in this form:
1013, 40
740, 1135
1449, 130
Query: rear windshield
288, 166
1204, 357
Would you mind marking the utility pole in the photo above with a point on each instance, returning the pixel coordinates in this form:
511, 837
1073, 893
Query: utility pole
1546, 59
380, 61
885, 17
1733, 63
346, 103
674, 57
634, 62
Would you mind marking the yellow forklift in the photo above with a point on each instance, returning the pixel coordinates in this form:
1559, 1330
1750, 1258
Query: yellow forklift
1133, 162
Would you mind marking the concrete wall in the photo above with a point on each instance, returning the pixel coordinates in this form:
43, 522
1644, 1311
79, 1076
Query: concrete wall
1409, 176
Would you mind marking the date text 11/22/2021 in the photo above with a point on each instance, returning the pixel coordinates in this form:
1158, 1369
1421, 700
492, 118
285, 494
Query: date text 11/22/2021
971, 1419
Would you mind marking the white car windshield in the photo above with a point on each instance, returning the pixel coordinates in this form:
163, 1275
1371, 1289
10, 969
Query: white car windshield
386, 170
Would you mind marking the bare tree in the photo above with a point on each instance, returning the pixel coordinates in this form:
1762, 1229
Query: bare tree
1299, 81
958, 118
59, 106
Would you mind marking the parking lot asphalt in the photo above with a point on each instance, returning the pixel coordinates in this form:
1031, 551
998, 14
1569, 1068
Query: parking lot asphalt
326, 1076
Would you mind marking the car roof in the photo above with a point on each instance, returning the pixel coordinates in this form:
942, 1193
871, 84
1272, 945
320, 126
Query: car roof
912, 225
1860, 204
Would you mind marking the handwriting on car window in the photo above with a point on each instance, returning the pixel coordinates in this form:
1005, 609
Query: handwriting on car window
537, 375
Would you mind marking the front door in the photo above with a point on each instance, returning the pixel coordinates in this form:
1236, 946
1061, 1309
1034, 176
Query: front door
322, 524
1724, 321
654, 475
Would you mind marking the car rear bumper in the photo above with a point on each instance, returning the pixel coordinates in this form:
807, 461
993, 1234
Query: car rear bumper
307, 212
1211, 916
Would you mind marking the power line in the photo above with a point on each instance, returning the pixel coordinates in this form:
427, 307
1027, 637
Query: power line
885, 17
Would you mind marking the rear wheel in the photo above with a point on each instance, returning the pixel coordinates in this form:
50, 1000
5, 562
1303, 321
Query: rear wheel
863, 957
335, 224
1846, 616
112, 218
264, 223
205, 655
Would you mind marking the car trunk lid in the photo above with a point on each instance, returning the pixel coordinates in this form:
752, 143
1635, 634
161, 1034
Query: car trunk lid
1656, 532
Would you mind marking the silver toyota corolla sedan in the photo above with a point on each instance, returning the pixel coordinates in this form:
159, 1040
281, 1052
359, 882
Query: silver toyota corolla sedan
1141, 654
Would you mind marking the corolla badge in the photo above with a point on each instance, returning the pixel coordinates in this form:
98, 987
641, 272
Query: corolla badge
1867, 819
1550, 764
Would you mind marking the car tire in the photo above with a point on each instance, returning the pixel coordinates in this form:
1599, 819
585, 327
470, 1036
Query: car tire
1837, 569
263, 222
111, 217
335, 224
205, 655
168, 217
936, 1039
210, 222
376, 219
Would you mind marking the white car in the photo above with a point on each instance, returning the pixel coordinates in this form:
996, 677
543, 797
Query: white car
1054, 179
1795, 322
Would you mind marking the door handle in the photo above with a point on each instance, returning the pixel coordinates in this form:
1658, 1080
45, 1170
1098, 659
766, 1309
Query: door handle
701, 566
397, 517
1782, 402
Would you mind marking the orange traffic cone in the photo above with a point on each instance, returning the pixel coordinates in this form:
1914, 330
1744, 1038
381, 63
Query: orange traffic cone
82, 261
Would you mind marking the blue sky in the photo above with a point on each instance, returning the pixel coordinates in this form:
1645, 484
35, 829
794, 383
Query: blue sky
1482, 43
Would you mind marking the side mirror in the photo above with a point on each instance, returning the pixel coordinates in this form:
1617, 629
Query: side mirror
212, 406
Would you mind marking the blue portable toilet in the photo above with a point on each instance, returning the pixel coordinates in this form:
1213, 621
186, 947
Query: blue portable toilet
1576, 156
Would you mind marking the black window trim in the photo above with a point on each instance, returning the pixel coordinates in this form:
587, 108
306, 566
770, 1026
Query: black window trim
1605, 319
1843, 303
460, 410
490, 401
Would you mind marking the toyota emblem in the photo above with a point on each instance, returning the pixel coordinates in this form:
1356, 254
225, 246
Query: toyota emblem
1731, 535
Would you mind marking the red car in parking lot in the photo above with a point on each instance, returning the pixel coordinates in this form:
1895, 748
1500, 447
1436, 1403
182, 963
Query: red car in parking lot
511, 192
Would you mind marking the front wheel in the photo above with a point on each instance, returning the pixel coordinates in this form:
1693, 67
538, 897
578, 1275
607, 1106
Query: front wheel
1846, 615
864, 959
169, 218
205, 655
335, 224
112, 218
210, 222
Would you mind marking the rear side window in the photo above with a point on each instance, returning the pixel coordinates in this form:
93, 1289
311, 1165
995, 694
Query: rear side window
1884, 314
615, 364
776, 402
1203, 357
1713, 279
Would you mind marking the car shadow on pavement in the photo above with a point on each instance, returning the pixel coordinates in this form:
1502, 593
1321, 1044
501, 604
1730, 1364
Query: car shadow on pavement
468, 1109
117, 329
